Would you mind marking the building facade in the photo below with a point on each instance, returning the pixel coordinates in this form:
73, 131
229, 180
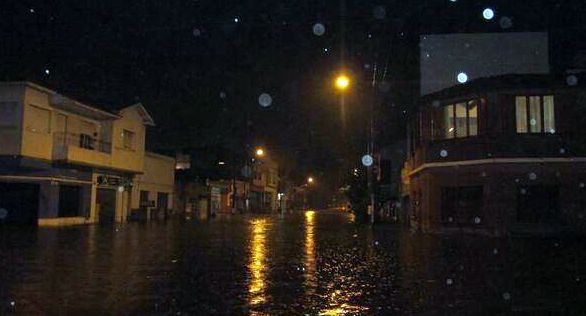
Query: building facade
264, 189
65, 162
498, 155
153, 190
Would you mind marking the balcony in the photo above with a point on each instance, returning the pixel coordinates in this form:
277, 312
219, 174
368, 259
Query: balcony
82, 149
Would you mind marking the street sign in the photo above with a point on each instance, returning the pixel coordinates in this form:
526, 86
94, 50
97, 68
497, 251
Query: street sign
367, 160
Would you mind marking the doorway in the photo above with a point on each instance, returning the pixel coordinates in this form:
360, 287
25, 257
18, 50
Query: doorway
19, 203
106, 205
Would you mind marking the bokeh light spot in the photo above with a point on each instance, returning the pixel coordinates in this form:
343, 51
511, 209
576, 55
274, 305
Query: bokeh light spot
462, 77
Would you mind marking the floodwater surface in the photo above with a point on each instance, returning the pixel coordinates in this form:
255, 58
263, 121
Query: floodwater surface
306, 263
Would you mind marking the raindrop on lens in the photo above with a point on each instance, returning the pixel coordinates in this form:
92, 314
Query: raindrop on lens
379, 12
449, 281
47, 71
366, 66
222, 95
196, 32
505, 22
582, 185
435, 103
533, 122
572, 80
476, 220
488, 14
3, 213
265, 100
385, 86
462, 77
12, 303
532, 176
523, 191
495, 251
562, 150
506, 296
319, 29
443, 153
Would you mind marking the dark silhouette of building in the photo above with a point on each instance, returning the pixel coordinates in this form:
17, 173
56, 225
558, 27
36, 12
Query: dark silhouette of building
499, 155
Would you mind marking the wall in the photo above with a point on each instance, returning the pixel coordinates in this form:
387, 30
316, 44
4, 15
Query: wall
158, 176
124, 158
444, 56
36, 144
10, 133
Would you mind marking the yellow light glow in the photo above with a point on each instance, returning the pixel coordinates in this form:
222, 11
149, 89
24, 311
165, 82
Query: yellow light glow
310, 180
342, 82
256, 266
260, 152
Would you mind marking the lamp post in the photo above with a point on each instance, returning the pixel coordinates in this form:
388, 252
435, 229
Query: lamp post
342, 83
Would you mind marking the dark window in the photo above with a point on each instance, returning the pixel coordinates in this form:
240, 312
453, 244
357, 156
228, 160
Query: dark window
86, 141
144, 198
538, 204
162, 200
69, 201
462, 205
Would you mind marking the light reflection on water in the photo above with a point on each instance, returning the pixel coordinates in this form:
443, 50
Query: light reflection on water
310, 276
256, 266
306, 263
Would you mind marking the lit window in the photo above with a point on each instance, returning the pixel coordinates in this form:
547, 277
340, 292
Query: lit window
127, 139
448, 118
461, 120
535, 114
457, 120
473, 118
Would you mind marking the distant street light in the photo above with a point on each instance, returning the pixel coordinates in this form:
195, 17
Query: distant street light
310, 180
259, 152
342, 82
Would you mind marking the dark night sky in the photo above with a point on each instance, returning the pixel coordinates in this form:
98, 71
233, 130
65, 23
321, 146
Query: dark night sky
200, 73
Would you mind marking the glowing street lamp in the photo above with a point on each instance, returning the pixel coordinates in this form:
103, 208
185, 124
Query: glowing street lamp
310, 180
259, 152
342, 82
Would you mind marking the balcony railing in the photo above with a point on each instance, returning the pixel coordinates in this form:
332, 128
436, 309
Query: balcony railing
84, 141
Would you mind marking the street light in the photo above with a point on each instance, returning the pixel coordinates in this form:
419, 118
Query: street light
310, 180
259, 152
342, 82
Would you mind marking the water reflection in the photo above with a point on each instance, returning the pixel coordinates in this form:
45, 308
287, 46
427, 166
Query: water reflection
257, 285
309, 263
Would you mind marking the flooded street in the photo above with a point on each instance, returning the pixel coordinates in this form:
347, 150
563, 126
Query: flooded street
316, 263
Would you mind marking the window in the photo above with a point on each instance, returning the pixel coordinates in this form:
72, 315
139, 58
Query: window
462, 206
69, 201
162, 200
535, 114
86, 141
538, 204
457, 120
127, 139
144, 199
38, 120
8, 114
